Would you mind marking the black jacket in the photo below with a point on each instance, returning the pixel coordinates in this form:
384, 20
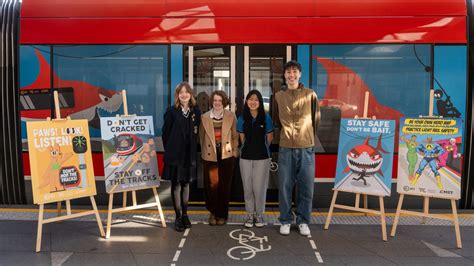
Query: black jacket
174, 136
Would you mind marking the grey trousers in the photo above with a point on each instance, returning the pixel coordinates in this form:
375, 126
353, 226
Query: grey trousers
255, 175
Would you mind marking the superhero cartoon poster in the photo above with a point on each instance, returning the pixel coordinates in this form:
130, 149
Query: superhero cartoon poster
429, 157
129, 153
365, 156
61, 161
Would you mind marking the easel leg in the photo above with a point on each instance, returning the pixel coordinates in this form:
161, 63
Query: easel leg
109, 212
134, 198
357, 201
331, 209
124, 200
97, 216
366, 203
426, 207
456, 224
397, 215
68, 207
160, 211
382, 219
40, 228
59, 208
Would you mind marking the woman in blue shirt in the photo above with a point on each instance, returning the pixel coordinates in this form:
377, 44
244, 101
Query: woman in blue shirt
255, 128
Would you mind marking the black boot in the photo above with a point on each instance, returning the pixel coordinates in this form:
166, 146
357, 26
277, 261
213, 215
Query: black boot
186, 221
178, 224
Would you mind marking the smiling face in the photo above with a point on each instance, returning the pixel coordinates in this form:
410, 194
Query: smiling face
217, 103
253, 103
292, 77
184, 96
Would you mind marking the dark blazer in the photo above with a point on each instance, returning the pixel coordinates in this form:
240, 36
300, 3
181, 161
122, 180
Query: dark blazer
174, 136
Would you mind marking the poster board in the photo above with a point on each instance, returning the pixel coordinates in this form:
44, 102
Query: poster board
61, 161
129, 153
365, 156
429, 155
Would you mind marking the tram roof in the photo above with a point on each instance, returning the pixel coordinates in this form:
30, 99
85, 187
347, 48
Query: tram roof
243, 21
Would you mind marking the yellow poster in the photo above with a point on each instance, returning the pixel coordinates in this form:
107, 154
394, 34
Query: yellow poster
61, 161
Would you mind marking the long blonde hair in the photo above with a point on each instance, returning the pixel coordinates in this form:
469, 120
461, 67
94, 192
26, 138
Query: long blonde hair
187, 87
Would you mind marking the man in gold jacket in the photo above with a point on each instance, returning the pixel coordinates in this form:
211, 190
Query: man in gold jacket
297, 115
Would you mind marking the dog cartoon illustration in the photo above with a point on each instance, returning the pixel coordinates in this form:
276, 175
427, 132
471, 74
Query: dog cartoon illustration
50, 178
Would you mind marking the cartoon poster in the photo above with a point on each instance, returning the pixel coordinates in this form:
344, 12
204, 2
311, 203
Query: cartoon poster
129, 153
365, 156
61, 161
429, 159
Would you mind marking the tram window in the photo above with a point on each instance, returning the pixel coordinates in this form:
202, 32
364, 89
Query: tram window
395, 75
211, 71
98, 74
266, 68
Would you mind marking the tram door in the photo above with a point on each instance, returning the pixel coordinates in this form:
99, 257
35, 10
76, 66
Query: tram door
235, 69
263, 68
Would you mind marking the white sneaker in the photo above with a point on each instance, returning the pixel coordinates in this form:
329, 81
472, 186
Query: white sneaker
304, 229
285, 229
249, 222
259, 222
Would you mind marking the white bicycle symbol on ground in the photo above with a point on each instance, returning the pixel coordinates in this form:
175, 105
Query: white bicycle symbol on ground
246, 251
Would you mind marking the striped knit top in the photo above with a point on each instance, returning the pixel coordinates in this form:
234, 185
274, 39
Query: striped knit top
217, 123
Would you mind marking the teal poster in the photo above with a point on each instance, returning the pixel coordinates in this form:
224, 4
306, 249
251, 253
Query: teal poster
365, 156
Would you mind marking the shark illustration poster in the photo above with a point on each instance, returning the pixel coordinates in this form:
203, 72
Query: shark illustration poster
429, 159
365, 156
61, 161
129, 153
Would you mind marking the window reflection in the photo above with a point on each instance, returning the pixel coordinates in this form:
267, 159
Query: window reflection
266, 68
395, 76
211, 71
98, 73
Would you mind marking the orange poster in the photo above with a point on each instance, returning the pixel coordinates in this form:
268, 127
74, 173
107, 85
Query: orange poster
61, 161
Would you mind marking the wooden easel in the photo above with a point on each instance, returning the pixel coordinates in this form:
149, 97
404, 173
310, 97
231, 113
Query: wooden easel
426, 202
356, 206
134, 206
69, 214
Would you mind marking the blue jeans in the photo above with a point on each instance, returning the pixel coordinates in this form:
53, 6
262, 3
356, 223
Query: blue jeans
296, 166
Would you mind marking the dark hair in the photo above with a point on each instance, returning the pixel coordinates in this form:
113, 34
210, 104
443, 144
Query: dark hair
260, 119
292, 64
222, 94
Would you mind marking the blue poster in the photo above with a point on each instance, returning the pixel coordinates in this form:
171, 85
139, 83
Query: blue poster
129, 153
365, 156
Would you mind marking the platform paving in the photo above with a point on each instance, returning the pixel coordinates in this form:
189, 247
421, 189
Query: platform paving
137, 238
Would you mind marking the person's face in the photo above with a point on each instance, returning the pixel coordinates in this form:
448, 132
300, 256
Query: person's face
217, 103
184, 96
292, 76
413, 137
253, 103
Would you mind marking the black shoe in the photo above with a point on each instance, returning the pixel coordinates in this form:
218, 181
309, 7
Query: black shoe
178, 224
186, 221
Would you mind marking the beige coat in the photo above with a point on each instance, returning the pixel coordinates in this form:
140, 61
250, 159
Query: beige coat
230, 137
